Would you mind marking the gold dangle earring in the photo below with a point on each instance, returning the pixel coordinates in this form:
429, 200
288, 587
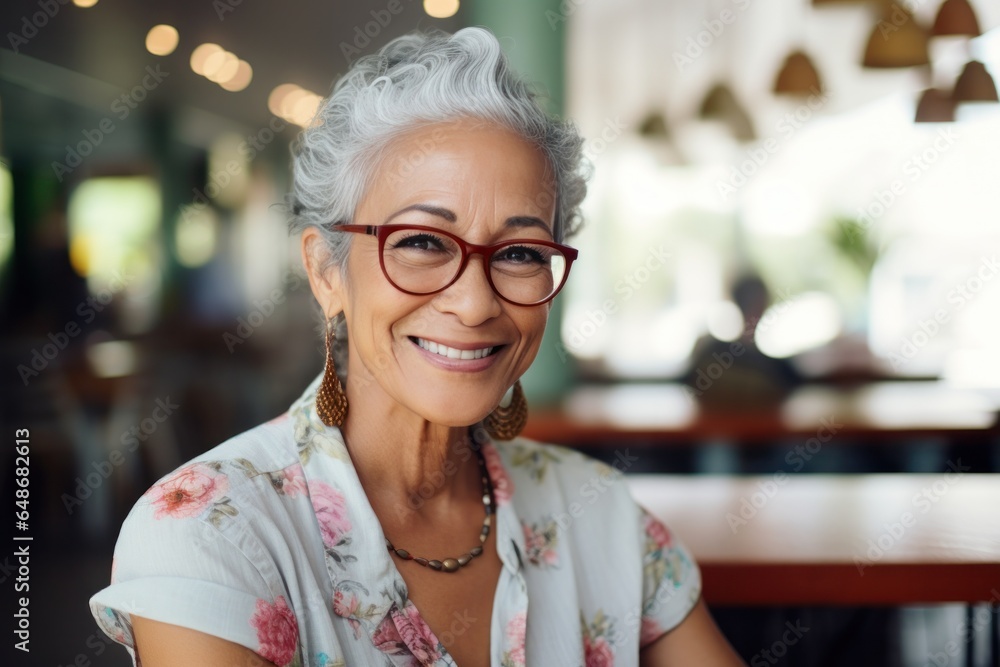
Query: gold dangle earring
331, 400
507, 421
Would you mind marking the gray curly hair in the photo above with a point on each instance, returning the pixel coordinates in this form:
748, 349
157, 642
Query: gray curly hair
418, 80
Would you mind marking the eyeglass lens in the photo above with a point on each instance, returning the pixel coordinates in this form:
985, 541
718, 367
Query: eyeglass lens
423, 262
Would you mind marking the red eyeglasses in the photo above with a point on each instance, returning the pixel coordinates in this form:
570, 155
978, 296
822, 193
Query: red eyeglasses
424, 260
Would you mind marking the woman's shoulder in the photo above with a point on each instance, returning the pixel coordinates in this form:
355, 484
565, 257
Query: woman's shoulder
211, 545
247, 474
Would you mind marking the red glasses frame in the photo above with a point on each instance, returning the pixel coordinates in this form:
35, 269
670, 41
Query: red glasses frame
381, 232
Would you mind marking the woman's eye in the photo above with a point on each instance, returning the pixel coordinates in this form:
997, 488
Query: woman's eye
521, 255
420, 242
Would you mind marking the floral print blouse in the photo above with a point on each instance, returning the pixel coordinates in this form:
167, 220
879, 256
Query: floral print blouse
269, 541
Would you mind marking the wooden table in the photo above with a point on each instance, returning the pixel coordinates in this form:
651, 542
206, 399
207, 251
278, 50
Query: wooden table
835, 540
665, 414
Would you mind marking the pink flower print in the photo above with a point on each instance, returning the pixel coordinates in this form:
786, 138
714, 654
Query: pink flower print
331, 512
417, 636
656, 531
348, 608
277, 631
597, 653
515, 632
293, 481
188, 491
540, 544
120, 637
386, 637
503, 487
650, 631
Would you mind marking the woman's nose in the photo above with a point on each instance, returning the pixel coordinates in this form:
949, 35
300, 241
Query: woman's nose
471, 297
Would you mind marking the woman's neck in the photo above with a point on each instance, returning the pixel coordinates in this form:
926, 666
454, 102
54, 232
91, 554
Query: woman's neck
407, 464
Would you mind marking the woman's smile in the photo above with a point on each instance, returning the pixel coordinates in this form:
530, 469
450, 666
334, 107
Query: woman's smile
456, 351
467, 357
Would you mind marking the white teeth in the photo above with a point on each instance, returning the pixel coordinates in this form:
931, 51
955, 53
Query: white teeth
451, 352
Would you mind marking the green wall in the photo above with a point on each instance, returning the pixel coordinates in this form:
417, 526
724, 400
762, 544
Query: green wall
532, 33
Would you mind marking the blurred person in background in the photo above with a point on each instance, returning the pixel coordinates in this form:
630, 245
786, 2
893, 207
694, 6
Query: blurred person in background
749, 379
393, 515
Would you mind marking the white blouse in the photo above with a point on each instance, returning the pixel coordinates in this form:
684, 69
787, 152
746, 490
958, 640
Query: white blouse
269, 541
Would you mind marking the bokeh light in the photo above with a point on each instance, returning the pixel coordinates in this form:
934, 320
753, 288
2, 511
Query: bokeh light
196, 236
161, 40
215, 62
240, 80
227, 70
441, 9
201, 54
276, 99
305, 109
294, 104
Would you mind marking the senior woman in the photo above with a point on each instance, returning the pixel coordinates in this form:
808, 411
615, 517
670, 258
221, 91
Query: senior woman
392, 516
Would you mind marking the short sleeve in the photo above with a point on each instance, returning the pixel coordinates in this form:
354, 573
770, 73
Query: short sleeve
671, 582
194, 570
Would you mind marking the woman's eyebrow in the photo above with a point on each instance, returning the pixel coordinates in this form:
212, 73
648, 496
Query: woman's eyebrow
446, 214
426, 208
527, 221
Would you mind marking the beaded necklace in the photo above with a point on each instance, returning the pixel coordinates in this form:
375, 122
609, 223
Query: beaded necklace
453, 564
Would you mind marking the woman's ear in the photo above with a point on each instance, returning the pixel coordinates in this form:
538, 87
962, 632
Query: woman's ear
326, 286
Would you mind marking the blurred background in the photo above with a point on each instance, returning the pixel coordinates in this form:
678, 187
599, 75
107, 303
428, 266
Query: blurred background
789, 267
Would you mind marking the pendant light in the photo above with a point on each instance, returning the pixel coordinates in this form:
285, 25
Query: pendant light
956, 17
798, 76
975, 84
721, 104
935, 106
896, 41
654, 126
